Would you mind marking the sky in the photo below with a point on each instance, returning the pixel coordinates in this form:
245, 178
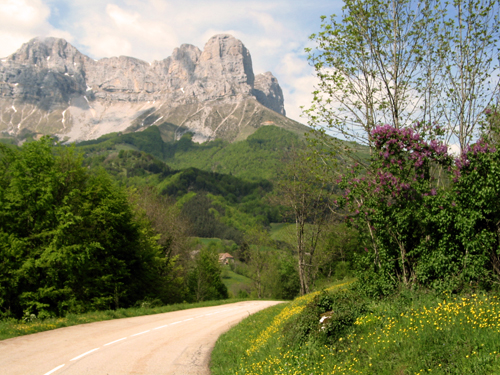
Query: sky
274, 31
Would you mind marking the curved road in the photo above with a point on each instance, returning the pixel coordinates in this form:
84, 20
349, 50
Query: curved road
178, 342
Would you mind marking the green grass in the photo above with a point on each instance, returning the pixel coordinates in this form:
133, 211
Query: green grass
229, 352
281, 231
413, 334
235, 282
285, 232
125, 147
207, 241
14, 328
242, 349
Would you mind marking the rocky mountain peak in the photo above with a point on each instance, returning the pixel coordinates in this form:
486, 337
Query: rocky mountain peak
227, 56
81, 98
49, 53
268, 92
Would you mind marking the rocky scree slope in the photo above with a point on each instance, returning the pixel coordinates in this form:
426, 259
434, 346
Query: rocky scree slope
49, 87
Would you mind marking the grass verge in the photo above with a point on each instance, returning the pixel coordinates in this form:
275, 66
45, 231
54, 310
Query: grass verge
249, 343
415, 333
13, 328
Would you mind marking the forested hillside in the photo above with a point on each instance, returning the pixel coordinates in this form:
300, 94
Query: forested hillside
108, 223
255, 158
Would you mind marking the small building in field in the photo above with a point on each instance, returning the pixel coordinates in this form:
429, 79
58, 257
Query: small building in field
225, 258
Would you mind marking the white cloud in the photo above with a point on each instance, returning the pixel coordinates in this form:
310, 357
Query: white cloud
293, 64
25, 14
121, 18
118, 30
110, 45
297, 81
299, 95
22, 20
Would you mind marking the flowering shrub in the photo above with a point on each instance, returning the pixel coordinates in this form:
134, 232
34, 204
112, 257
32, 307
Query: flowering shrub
421, 229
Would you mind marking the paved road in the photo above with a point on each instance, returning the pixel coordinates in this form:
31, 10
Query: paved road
172, 343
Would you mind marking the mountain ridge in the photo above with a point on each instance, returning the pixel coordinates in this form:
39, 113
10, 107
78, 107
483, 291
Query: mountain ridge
49, 87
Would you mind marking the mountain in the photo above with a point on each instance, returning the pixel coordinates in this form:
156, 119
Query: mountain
49, 87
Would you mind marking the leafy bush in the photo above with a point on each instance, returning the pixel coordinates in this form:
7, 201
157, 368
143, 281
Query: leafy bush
421, 230
326, 318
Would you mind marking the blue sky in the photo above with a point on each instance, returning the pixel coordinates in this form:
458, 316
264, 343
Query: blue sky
275, 31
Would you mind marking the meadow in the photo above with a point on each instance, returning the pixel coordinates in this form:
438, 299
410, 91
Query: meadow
414, 333
235, 283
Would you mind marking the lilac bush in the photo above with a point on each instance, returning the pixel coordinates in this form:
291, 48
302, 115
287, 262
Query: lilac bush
428, 219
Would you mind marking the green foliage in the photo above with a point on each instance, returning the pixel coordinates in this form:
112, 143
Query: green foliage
288, 278
466, 222
193, 179
69, 238
163, 226
237, 204
442, 236
148, 140
326, 318
203, 218
402, 61
256, 158
237, 285
341, 246
204, 278
306, 196
8, 141
131, 167
392, 203
410, 333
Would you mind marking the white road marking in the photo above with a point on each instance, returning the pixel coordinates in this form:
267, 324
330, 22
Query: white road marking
54, 370
140, 333
137, 334
112, 342
161, 327
84, 354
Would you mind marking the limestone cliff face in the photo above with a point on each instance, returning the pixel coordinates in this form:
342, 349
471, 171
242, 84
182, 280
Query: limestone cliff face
268, 92
49, 87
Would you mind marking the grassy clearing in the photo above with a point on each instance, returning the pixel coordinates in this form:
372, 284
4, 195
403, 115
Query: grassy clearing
235, 282
13, 328
442, 334
207, 241
283, 232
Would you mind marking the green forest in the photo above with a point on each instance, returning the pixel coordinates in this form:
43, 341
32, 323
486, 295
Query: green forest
128, 219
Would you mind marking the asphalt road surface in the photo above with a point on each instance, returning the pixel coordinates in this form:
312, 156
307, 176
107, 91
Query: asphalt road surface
178, 343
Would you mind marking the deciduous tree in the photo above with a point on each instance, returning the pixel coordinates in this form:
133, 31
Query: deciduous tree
305, 193
399, 61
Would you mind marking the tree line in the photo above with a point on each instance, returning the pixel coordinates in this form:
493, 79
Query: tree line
72, 240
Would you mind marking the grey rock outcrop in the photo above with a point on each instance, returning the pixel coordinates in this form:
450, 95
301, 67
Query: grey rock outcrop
268, 92
49, 87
